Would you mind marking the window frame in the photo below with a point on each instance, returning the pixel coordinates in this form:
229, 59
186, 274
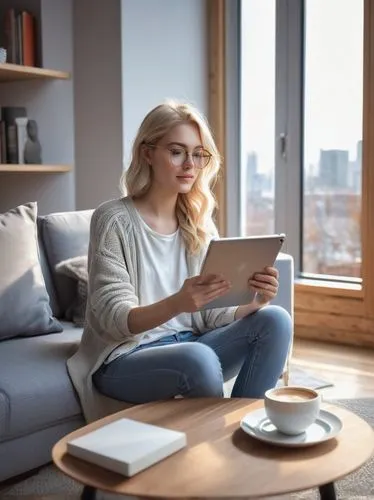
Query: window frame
333, 312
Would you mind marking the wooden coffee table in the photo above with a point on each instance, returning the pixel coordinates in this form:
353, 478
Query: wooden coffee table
221, 461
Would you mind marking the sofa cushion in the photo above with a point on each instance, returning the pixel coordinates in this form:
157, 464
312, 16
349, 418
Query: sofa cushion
53, 301
35, 388
65, 235
76, 268
24, 301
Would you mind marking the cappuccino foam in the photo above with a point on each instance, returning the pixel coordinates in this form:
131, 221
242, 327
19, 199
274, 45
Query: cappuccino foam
292, 395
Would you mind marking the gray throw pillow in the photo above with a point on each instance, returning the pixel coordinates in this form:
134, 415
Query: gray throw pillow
24, 301
76, 269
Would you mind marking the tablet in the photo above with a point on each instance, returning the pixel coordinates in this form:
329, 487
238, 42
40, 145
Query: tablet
237, 259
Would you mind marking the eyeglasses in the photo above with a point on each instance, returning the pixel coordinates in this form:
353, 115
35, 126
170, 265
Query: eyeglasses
179, 155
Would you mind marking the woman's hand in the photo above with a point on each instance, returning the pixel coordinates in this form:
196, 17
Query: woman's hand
194, 294
198, 291
266, 285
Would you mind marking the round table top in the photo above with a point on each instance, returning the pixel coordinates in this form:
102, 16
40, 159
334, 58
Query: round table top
221, 460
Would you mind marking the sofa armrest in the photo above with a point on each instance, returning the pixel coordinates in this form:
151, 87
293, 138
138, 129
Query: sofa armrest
285, 297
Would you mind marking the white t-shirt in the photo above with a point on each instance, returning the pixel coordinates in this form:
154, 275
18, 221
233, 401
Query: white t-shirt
162, 272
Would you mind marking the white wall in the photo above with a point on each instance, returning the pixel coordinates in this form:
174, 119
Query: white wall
164, 55
97, 100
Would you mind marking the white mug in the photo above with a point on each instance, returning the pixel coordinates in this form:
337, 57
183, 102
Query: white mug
292, 409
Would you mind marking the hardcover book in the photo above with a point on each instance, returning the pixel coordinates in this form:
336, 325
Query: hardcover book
127, 446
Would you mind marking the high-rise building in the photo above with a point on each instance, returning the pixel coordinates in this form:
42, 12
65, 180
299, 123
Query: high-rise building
252, 166
333, 168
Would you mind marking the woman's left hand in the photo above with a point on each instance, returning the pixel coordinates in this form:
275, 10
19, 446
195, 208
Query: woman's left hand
266, 285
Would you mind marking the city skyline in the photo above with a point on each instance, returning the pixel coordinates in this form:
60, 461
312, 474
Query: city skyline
330, 231
332, 164
333, 78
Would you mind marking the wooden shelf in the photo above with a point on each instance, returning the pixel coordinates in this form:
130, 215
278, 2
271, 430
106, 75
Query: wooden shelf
43, 169
14, 72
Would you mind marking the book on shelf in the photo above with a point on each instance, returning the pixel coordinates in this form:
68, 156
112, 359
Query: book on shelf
13, 120
127, 446
20, 37
3, 153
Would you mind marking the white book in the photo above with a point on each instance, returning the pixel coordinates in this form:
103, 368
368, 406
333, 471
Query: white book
127, 446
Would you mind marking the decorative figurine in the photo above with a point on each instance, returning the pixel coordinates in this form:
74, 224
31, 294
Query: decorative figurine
33, 149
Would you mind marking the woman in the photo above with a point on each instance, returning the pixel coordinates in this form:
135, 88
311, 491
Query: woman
145, 338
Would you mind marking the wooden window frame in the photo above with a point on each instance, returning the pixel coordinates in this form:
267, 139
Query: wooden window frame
323, 311
216, 14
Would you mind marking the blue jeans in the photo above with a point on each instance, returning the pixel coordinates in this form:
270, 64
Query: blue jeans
254, 348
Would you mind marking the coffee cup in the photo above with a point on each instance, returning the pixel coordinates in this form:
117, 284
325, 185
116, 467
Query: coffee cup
292, 409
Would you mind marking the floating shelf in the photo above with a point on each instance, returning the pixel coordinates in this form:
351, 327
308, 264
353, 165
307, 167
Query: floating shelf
14, 72
29, 169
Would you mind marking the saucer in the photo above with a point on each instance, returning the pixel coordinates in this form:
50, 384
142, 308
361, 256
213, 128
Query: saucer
258, 425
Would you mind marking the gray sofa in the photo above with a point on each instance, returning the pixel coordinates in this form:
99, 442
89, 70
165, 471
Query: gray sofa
37, 402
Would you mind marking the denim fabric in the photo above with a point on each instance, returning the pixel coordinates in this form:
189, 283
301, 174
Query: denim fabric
253, 348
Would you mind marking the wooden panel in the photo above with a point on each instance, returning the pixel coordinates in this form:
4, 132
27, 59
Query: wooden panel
327, 334
368, 162
28, 169
14, 72
357, 325
217, 98
316, 302
320, 287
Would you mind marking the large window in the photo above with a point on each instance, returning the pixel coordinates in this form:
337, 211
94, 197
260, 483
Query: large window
333, 93
292, 104
301, 118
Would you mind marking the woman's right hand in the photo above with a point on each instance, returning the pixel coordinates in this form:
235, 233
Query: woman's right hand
198, 291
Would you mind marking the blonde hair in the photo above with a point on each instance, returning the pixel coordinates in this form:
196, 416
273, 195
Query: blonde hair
194, 210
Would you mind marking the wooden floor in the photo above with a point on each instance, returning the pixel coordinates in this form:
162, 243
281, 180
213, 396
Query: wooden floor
350, 369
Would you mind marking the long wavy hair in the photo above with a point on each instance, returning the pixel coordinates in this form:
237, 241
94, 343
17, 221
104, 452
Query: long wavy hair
194, 209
